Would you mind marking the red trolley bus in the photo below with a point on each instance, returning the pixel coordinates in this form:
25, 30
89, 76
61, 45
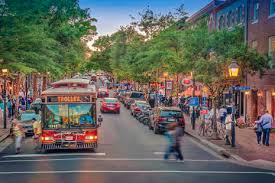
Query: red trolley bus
69, 119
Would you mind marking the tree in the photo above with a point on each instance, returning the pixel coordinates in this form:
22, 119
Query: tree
208, 55
41, 36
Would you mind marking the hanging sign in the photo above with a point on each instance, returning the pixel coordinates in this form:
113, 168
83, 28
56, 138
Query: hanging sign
186, 82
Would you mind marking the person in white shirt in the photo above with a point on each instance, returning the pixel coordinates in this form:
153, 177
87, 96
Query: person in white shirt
228, 128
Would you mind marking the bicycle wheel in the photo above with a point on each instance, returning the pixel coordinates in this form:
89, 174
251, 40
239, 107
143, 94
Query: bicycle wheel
209, 132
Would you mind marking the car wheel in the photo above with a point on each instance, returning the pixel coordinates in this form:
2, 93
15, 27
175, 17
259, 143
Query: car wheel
146, 122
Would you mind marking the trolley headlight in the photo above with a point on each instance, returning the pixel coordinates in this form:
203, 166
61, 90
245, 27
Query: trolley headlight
46, 138
90, 137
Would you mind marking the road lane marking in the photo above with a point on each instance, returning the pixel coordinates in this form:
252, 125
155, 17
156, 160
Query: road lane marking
135, 171
52, 155
105, 159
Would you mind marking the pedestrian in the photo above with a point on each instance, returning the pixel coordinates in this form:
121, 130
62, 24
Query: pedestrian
9, 106
19, 134
228, 127
174, 134
37, 130
266, 123
258, 129
170, 101
223, 113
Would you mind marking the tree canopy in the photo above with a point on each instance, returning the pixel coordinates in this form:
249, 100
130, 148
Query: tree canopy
44, 36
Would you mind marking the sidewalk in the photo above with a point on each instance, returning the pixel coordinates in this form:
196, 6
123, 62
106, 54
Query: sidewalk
4, 133
246, 148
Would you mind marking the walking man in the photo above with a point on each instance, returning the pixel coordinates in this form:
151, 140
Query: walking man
37, 130
174, 137
266, 122
18, 133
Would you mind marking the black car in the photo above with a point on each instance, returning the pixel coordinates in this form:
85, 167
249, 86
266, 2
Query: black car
134, 95
163, 116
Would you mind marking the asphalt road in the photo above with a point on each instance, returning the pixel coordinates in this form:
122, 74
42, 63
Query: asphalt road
128, 152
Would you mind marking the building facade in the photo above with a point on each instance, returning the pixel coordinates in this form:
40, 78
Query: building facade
261, 36
258, 19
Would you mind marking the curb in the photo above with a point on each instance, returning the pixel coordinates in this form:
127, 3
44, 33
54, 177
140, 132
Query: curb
4, 136
219, 150
223, 152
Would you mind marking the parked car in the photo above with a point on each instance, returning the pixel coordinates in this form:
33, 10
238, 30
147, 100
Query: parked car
110, 105
124, 97
162, 116
37, 105
137, 107
118, 93
134, 95
25, 118
102, 93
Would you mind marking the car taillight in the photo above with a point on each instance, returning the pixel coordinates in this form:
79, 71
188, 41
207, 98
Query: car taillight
161, 119
104, 104
181, 121
137, 109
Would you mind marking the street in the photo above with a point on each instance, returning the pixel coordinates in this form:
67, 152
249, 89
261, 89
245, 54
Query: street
128, 152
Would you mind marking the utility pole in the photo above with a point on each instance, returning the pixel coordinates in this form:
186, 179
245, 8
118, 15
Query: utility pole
193, 117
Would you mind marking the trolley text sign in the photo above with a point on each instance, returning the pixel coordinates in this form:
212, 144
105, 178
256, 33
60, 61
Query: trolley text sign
68, 99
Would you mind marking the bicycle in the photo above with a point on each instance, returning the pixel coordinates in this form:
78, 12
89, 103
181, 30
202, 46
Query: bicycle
221, 130
205, 128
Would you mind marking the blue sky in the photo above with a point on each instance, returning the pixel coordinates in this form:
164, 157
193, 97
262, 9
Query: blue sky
112, 14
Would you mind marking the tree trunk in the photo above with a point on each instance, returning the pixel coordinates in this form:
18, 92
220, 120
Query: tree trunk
45, 81
215, 134
35, 89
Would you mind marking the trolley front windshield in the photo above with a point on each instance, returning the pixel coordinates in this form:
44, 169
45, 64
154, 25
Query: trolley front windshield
72, 115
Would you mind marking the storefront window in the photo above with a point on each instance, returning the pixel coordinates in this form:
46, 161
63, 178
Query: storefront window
272, 7
272, 49
255, 12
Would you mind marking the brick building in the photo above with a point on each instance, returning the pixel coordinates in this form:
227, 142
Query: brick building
258, 19
261, 36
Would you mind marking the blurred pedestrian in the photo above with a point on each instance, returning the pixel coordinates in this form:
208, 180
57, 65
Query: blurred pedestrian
174, 134
258, 129
266, 123
19, 134
37, 130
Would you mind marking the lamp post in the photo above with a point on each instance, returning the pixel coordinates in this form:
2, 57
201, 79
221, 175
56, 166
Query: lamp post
193, 117
233, 70
165, 75
5, 73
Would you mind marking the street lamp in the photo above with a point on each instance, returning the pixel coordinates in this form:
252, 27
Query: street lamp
233, 70
165, 75
5, 73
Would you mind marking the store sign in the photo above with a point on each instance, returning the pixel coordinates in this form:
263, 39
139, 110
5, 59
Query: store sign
241, 88
68, 99
194, 101
186, 82
169, 85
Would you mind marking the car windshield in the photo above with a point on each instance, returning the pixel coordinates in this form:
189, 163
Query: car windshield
69, 116
170, 113
137, 95
143, 105
110, 100
29, 116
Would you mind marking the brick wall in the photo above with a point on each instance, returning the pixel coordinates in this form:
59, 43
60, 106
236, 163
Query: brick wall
262, 30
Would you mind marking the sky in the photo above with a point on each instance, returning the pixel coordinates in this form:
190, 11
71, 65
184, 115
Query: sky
111, 14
